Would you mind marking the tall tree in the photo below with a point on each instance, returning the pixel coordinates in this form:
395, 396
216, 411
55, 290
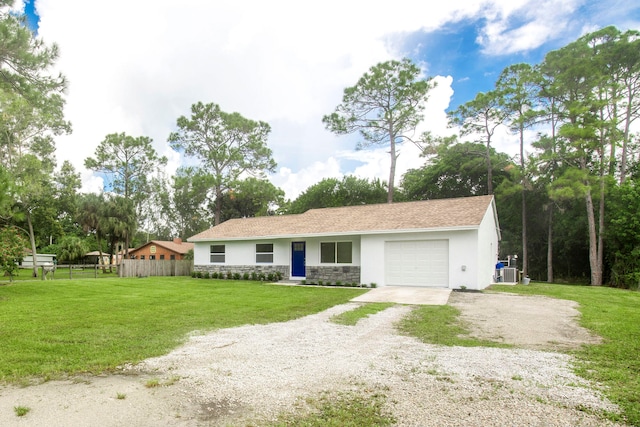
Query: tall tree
34, 195
518, 87
384, 107
227, 145
129, 162
577, 79
32, 114
480, 118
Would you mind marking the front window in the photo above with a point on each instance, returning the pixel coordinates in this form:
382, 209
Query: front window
264, 252
217, 253
335, 252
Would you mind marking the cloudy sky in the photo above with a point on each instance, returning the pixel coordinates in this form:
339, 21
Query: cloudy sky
135, 66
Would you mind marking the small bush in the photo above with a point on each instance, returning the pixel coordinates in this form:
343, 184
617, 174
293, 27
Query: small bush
320, 282
245, 276
199, 274
338, 283
270, 277
205, 275
254, 275
278, 275
262, 277
21, 411
193, 274
374, 285
236, 276
229, 275
214, 275
303, 282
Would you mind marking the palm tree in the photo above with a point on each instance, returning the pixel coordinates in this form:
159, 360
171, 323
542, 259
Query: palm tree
90, 213
119, 222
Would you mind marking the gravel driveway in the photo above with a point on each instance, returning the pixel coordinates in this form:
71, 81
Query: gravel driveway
252, 373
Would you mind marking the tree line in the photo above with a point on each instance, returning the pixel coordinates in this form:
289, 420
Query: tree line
566, 202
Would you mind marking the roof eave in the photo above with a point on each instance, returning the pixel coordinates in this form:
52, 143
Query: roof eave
342, 233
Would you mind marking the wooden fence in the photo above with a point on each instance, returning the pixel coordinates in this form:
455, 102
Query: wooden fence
151, 267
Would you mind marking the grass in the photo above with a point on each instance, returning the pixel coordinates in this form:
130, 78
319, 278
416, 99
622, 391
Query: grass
26, 274
352, 317
347, 409
613, 314
52, 329
21, 411
440, 325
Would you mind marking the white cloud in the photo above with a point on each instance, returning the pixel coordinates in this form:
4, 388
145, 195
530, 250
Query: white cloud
536, 22
294, 183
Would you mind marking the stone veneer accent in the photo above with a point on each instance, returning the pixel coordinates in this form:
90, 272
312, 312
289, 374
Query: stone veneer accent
241, 269
330, 275
344, 274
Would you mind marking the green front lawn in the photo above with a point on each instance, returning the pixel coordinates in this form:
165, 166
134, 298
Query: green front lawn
54, 328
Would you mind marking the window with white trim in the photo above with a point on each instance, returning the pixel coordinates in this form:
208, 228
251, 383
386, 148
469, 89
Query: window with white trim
217, 253
264, 252
336, 253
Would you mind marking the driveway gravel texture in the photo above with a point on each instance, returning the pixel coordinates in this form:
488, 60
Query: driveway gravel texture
248, 375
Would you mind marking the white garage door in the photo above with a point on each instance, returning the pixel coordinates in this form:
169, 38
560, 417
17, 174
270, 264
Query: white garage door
417, 263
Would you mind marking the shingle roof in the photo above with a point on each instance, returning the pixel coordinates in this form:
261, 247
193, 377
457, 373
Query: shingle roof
179, 248
423, 215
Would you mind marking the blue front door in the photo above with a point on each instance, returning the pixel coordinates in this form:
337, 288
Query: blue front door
298, 257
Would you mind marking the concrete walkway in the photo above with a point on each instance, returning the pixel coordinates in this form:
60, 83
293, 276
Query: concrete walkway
406, 295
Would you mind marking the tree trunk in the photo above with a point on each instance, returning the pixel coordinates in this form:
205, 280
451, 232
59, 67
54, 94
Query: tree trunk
218, 204
625, 140
392, 169
595, 266
525, 252
489, 168
601, 230
550, 245
32, 240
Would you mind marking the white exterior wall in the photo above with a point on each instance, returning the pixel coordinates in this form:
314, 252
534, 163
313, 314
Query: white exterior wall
462, 251
242, 253
487, 248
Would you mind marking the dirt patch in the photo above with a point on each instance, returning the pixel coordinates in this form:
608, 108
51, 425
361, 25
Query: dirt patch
534, 322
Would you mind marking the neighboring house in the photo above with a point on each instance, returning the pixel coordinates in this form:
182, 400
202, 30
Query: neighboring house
93, 257
449, 243
161, 250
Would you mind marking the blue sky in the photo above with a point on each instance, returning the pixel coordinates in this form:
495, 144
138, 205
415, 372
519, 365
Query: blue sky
137, 65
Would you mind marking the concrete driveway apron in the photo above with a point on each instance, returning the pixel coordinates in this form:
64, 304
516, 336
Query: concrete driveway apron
406, 295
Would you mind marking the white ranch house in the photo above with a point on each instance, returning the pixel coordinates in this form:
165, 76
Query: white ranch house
448, 243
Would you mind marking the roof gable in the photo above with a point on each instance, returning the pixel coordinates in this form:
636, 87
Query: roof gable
179, 248
466, 212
